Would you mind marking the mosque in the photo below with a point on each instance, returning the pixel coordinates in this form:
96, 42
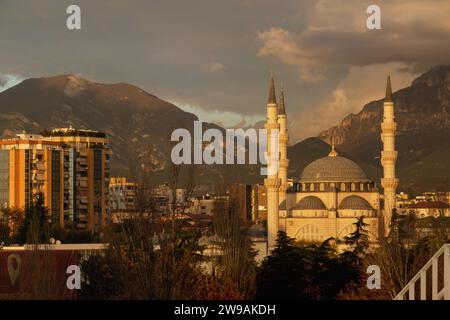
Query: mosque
332, 192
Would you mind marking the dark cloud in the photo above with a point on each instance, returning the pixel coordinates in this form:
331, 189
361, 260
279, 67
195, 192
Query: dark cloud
216, 55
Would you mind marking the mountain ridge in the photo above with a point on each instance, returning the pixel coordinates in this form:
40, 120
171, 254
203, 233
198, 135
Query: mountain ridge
423, 127
139, 122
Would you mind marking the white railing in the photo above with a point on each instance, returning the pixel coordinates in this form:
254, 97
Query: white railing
433, 263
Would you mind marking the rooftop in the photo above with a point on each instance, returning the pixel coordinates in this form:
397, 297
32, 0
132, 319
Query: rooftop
69, 132
430, 205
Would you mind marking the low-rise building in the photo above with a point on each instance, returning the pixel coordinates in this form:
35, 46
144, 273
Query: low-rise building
430, 209
122, 194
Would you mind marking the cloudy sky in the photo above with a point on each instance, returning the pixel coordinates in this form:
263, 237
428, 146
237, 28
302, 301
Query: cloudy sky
214, 57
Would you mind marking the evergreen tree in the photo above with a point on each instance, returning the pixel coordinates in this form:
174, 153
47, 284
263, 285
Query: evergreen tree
284, 274
357, 243
394, 226
303, 271
35, 227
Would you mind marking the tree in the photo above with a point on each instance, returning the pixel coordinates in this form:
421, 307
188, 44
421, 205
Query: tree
394, 226
237, 262
35, 227
11, 220
4, 226
284, 274
357, 243
304, 271
101, 278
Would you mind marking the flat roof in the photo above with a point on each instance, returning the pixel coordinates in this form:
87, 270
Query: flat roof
58, 247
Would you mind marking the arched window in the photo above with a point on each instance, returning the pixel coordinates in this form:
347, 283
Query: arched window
353, 187
332, 185
308, 233
322, 187
361, 186
304, 186
311, 187
342, 186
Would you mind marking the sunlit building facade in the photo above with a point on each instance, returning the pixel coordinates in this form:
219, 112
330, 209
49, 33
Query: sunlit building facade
68, 167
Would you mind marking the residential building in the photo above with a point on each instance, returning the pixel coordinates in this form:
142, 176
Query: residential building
29, 167
122, 194
430, 209
68, 167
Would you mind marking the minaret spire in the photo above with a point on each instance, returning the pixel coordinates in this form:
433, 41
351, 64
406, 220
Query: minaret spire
272, 181
388, 97
282, 109
284, 161
388, 157
272, 96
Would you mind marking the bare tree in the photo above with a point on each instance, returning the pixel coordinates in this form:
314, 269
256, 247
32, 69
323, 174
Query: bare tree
237, 259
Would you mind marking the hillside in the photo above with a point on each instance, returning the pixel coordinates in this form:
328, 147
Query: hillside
139, 125
423, 138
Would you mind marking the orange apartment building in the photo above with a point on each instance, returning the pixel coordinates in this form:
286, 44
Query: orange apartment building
68, 167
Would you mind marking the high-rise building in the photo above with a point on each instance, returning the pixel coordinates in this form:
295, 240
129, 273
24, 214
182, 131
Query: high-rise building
68, 167
86, 176
31, 166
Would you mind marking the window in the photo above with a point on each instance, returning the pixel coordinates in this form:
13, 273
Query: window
322, 187
353, 187
311, 187
342, 186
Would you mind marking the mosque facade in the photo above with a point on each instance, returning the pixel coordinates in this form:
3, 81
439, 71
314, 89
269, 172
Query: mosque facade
332, 192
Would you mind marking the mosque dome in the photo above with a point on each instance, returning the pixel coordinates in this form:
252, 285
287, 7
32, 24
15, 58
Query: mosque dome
355, 203
309, 203
333, 169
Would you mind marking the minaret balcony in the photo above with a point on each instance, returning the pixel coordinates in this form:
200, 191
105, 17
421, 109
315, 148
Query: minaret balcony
283, 163
388, 156
284, 138
388, 127
271, 126
272, 183
389, 183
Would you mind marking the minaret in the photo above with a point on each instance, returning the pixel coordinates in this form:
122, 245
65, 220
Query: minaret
283, 138
388, 157
272, 182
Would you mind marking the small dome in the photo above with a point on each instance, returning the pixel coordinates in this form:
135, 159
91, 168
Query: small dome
355, 202
309, 203
333, 169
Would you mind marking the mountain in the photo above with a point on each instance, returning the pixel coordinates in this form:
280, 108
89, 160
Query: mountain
138, 124
126, 113
423, 132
